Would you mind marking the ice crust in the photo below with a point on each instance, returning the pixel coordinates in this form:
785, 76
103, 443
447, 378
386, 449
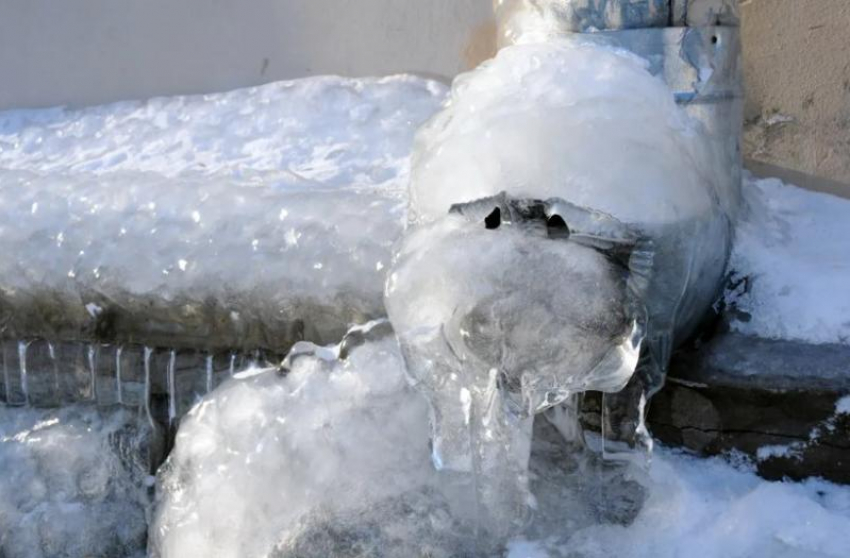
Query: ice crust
791, 247
585, 123
332, 460
75, 483
250, 218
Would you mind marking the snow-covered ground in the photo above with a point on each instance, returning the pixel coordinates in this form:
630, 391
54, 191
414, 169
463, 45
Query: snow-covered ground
793, 245
710, 508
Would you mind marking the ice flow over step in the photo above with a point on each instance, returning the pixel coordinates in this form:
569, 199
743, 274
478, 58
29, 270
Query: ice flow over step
209, 230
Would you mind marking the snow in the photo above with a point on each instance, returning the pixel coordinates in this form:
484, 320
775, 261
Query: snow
540, 120
74, 483
296, 190
336, 131
290, 194
707, 508
792, 246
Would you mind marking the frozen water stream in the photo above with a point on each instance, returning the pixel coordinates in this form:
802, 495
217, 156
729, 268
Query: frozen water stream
332, 460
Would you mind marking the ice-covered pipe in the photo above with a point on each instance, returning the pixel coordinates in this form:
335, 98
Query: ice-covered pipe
693, 45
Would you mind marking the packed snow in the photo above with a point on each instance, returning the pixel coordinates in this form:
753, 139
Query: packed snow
275, 203
75, 482
791, 259
332, 459
336, 131
539, 120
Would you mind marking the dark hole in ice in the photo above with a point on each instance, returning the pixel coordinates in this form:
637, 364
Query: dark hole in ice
557, 227
493, 220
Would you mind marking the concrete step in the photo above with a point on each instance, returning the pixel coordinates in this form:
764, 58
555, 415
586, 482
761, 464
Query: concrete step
786, 404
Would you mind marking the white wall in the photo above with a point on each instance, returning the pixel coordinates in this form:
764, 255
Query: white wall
83, 52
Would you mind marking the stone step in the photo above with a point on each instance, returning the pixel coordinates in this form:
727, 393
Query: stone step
786, 404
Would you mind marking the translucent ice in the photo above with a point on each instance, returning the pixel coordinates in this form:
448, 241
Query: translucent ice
329, 458
563, 119
561, 206
333, 453
74, 483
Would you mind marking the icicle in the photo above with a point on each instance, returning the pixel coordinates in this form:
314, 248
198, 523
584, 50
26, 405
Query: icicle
642, 432
172, 387
604, 425
232, 364
209, 373
51, 351
147, 365
22, 361
6, 380
118, 350
92, 356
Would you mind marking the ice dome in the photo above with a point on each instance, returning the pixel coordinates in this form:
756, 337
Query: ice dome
566, 119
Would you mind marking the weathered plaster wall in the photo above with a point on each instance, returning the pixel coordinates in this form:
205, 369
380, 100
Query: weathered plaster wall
83, 52
797, 68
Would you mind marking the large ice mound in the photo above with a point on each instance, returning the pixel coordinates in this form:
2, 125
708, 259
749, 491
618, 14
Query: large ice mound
331, 459
565, 224
540, 120
276, 466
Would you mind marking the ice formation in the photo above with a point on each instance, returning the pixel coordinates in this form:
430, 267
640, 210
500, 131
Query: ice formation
791, 261
331, 459
301, 463
247, 219
563, 209
75, 482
